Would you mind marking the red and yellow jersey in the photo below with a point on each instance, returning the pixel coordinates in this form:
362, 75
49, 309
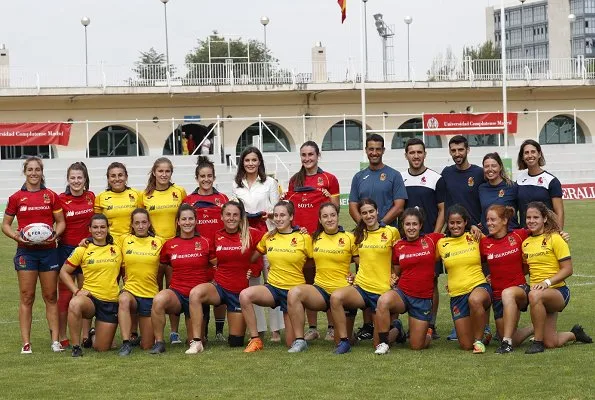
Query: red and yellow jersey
208, 212
117, 207
375, 256
140, 259
189, 260
308, 198
462, 261
416, 260
505, 260
34, 207
162, 206
332, 255
543, 254
287, 253
232, 264
101, 267
78, 211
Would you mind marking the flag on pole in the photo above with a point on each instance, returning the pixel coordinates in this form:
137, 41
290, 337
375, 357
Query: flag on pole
343, 5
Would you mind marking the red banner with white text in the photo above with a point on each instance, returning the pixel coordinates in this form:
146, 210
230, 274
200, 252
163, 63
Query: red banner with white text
34, 134
578, 191
457, 121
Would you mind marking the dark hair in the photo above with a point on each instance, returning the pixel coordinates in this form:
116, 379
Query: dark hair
38, 160
77, 166
146, 213
288, 206
413, 142
551, 219
360, 231
204, 162
241, 174
496, 157
244, 227
503, 212
521, 163
185, 207
375, 138
412, 212
320, 228
300, 176
109, 239
457, 209
114, 165
152, 183
458, 139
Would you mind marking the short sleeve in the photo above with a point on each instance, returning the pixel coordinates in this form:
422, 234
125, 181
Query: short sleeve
399, 190
212, 253
183, 193
440, 191
261, 247
354, 193
255, 237
139, 202
56, 203
560, 247
396, 235
11, 207
396, 254
307, 245
76, 258
555, 188
164, 254
97, 209
333, 185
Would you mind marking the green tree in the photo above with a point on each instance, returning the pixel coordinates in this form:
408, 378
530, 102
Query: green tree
486, 70
234, 49
485, 51
151, 67
444, 67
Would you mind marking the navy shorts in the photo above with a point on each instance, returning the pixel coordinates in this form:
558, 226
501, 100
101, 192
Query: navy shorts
565, 292
280, 297
105, 311
416, 307
499, 308
40, 260
64, 251
459, 305
327, 299
143, 306
230, 299
370, 299
185, 303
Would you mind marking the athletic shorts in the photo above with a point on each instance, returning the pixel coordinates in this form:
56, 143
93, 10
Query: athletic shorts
280, 297
42, 260
416, 307
565, 292
230, 299
143, 306
499, 308
105, 311
459, 305
327, 299
370, 299
185, 303
64, 251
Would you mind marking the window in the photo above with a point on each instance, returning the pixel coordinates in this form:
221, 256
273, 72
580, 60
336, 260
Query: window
589, 6
270, 144
401, 138
560, 130
515, 17
539, 14
527, 15
114, 141
343, 137
590, 25
21, 152
485, 140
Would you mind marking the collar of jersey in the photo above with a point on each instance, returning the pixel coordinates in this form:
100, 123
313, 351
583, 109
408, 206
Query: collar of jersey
24, 188
168, 186
125, 189
340, 230
204, 204
304, 189
215, 191
293, 230
381, 224
421, 173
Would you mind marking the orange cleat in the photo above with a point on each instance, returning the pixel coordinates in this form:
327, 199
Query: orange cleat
254, 345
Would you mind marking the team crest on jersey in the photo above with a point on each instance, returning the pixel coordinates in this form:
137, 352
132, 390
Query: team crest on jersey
46, 198
174, 195
470, 181
197, 246
293, 242
341, 242
112, 251
22, 262
544, 243
217, 202
131, 197
424, 244
512, 241
89, 201
470, 240
320, 181
501, 193
423, 180
540, 180
383, 237
383, 176
153, 245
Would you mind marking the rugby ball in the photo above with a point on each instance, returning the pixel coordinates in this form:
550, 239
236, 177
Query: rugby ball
37, 232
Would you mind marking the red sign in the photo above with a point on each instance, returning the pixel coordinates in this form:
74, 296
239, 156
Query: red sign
28, 134
457, 121
578, 191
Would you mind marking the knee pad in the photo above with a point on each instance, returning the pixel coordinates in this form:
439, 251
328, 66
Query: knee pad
235, 341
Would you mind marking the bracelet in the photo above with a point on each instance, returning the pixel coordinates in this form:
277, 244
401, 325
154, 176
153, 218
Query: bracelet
77, 292
549, 283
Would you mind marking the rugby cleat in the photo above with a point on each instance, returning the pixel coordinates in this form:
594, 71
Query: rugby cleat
478, 347
535, 347
195, 347
254, 345
298, 346
311, 334
343, 347
26, 349
580, 334
158, 348
504, 348
382, 349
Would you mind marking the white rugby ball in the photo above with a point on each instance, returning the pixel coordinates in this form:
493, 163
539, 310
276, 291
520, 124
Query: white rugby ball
37, 232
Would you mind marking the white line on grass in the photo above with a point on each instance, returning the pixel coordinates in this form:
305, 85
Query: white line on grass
582, 284
16, 322
583, 276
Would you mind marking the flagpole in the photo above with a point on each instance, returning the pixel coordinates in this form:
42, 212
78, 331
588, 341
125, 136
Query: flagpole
364, 71
503, 66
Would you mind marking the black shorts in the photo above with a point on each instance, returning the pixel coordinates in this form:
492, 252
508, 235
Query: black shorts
230, 299
498, 307
105, 311
280, 297
185, 303
327, 299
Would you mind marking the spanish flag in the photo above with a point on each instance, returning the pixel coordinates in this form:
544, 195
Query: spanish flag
343, 5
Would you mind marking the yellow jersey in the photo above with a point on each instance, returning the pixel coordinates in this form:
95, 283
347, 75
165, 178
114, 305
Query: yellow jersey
117, 207
287, 253
543, 254
332, 255
462, 261
162, 206
375, 259
101, 267
140, 259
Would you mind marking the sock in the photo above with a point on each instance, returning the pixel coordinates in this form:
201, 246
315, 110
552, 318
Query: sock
196, 339
299, 338
330, 327
507, 340
312, 327
433, 321
368, 325
344, 339
219, 324
254, 337
125, 341
383, 337
134, 334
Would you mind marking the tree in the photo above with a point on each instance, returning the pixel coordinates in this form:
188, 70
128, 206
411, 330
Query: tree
222, 48
485, 51
444, 67
489, 70
150, 67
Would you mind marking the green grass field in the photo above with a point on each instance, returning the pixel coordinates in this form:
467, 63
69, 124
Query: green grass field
443, 371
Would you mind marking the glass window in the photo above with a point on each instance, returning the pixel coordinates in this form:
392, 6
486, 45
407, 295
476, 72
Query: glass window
485, 140
17, 152
590, 6
340, 137
270, 144
560, 130
590, 25
401, 138
114, 141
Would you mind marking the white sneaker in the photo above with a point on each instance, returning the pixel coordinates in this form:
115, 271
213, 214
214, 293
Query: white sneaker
26, 349
382, 349
311, 334
330, 335
298, 346
57, 347
195, 347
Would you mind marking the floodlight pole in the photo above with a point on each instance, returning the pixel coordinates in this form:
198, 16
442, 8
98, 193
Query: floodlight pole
503, 66
364, 69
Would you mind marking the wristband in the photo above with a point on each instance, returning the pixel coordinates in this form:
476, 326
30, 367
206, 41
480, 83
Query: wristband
549, 283
77, 292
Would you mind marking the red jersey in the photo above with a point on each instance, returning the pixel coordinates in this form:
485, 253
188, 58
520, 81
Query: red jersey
505, 260
189, 260
416, 260
232, 264
78, 211
208, 212
308, 198
31, 207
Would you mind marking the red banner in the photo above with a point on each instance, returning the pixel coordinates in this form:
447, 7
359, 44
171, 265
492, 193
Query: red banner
457, 121
28, 134
578, 191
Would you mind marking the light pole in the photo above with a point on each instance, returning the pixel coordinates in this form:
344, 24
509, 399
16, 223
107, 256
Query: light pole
522, 30
166, 39
504, 83
264, 20
85, 21
408, 20
385, 33
366, 35
571, 20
